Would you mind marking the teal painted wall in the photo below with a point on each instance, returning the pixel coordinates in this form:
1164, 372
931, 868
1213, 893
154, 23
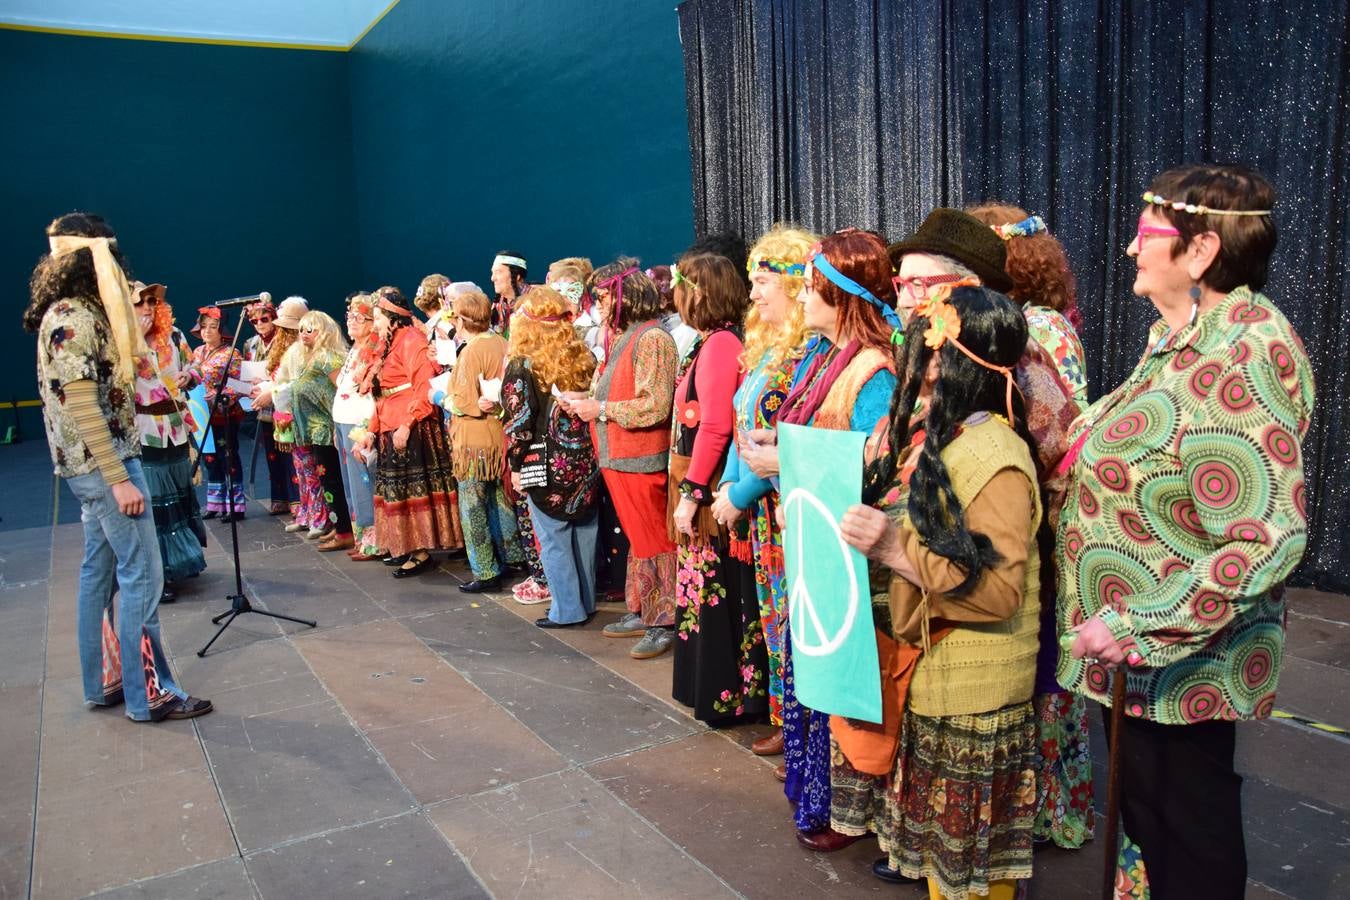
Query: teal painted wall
556, 128
225, 170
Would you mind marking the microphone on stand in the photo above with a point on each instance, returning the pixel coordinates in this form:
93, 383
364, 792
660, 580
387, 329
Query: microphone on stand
263, 297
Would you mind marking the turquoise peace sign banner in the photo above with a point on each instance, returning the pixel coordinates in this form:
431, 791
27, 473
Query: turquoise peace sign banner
834, 651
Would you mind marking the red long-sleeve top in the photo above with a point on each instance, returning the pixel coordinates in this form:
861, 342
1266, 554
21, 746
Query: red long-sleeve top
716, 374
407, 363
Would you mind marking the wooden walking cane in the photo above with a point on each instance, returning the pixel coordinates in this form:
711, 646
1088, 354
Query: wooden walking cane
1111, 850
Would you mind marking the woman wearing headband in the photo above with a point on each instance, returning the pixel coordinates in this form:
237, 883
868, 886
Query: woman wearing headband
1190, 512
282, 495
478, 446
549, 450
165, 426
214, 363
1044, 287
774, 336
415, 508
719, 657
629, 412
509, 270
844, 382
960, 507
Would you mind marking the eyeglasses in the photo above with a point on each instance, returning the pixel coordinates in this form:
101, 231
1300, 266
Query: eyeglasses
144, 301
308, 329
919, 285
1146, 231
262, 320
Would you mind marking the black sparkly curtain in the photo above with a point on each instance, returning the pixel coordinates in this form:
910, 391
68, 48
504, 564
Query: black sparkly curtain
870, 113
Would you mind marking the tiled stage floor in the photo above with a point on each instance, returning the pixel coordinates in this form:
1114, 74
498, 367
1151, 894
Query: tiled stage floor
424, 743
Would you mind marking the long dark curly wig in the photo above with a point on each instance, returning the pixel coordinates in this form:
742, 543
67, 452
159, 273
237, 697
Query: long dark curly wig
72, 276
994, 329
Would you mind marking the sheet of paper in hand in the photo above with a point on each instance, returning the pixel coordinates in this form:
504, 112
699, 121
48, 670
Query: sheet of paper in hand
834, 652
490, 389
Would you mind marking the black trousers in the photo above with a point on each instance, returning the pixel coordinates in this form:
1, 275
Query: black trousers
280, 471
1181, 802
329, 464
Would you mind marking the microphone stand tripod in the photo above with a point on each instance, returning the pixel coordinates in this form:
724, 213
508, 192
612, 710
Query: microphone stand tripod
239, 602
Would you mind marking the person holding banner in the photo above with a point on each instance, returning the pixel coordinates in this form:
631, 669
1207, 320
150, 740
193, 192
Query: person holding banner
963, 509
214, 364
774, 334
719, 654
166, 426
844, 381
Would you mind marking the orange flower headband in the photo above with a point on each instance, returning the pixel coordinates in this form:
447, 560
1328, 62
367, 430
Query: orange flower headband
944, 327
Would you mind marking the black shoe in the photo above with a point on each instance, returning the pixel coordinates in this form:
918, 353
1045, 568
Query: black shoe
481, 585
882, 869
417, 568
396, 560
190, 708
232, 517
210, 514
546, 622
168, 597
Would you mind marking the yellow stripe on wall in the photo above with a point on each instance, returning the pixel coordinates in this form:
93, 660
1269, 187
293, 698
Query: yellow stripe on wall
182, 39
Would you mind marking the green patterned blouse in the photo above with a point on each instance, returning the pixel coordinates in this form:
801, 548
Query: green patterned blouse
312, 399
1186, 512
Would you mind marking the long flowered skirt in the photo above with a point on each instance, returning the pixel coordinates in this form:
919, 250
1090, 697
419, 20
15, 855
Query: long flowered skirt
719, 665
962, 801
806, 752
1063, 770
766, 542
416, 507
178, 516
215, 465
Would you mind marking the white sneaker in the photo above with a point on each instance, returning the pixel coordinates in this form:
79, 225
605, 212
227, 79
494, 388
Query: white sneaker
295, 526
316, 532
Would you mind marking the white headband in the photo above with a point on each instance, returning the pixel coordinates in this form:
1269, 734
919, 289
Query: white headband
510, 261
115, 295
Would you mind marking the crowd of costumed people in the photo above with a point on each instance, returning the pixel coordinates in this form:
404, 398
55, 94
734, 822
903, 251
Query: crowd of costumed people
611, 433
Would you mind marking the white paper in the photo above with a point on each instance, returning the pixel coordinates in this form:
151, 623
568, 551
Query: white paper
242, 388
490, 389
445, 351
441, 383
253, 372
281, 398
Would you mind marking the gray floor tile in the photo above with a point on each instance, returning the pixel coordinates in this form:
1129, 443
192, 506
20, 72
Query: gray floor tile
224, 879
581, 709
296, 772
402, 857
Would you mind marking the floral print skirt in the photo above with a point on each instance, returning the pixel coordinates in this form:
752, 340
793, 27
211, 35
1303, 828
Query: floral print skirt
313, 511
416, 506
766, 542
719, 651
1063, 770
963, 799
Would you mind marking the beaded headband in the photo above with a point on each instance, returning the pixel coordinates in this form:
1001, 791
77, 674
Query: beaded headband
770, 264
944, 327
572, 290
1025, 228
1196, 209
509, 261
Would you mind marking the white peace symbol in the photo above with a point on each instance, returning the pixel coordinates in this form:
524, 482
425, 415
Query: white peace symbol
799, 597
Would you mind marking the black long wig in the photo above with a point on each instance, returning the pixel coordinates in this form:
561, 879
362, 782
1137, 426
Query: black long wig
72, 276
994, 329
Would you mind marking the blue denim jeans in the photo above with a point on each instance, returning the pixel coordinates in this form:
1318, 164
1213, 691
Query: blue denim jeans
120, 553
567, 550
357, 478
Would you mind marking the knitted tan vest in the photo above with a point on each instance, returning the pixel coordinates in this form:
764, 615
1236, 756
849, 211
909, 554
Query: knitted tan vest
983, 667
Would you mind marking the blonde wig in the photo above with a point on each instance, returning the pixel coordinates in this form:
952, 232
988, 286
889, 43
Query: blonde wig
327, 336
786, 244
542, 332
